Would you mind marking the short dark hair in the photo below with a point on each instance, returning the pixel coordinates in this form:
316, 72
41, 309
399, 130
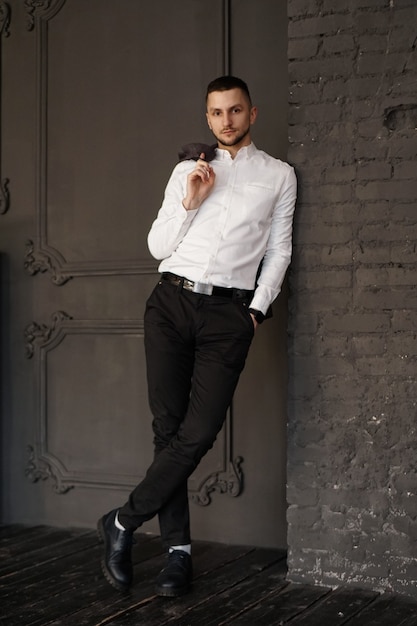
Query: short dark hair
224, 83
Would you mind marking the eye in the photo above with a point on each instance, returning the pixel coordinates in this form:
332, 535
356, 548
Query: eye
236, 110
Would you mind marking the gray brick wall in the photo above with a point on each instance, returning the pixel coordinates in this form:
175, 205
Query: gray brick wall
352, 460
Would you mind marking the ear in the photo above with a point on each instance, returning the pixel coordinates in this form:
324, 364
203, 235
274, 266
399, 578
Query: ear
208, 122
253, 115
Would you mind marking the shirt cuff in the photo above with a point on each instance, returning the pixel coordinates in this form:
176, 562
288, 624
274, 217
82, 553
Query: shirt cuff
189, 215
263, 298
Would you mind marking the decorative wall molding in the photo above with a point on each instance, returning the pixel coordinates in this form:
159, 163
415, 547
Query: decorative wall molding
4, 18
228, 481
41, 9
41, 256
40, 334
43, 463
4, 32
37, 260
41, 468
4, 196
40, 340
227, 37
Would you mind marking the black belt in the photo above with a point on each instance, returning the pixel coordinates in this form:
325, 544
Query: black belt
208, 290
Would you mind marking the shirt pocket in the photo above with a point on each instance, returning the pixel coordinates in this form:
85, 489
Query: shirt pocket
259, 201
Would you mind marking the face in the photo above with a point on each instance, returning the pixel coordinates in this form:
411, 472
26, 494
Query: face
230, 116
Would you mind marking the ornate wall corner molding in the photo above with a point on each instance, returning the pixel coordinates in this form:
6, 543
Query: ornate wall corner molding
229, 482
41, 334
39, 468
45, 260
41, 9
4, 18
4, 196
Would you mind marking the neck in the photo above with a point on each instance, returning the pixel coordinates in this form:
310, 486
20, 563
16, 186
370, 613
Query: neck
233, 150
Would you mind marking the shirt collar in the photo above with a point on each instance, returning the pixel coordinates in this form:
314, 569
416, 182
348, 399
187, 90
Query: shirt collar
245, 152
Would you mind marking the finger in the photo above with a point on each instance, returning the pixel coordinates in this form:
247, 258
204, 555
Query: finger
199, 173
203, 156
203, 169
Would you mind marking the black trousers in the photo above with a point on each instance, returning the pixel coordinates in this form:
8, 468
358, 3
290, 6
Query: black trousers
196, 347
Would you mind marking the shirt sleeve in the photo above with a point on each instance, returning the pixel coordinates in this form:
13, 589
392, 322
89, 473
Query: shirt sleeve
173, 220
279, 247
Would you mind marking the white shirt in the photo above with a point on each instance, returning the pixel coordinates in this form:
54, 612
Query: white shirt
246, 218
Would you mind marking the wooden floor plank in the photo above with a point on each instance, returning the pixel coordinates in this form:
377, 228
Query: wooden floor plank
9, 531
410, 621
336, 608
107, 602
20, 566
22, 536
72, 584
62, 562
16, 550
205, 589
52, 577
280, 605
387, 610
230, 602
68, 554
206, 557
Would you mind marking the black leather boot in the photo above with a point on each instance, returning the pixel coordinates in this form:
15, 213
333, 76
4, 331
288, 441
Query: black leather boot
175, 579
117, 561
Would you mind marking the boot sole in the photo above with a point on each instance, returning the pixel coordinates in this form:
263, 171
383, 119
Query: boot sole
171, 593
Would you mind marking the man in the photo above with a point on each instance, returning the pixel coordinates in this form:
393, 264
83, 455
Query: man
219, 220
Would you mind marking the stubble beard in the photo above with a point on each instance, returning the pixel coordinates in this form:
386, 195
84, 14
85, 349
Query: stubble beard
233, 142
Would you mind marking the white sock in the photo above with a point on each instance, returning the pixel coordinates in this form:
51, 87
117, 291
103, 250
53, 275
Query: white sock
117, 523
186, 548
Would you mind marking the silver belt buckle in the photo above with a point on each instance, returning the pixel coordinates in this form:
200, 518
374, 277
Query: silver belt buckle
188, 284
203, 288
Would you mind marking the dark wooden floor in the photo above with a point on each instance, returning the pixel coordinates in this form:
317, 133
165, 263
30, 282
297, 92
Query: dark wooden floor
52, 576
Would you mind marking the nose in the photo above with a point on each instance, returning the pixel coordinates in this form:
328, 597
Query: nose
227, 120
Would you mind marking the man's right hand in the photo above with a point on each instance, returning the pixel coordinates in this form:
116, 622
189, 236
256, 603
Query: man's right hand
199, 184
